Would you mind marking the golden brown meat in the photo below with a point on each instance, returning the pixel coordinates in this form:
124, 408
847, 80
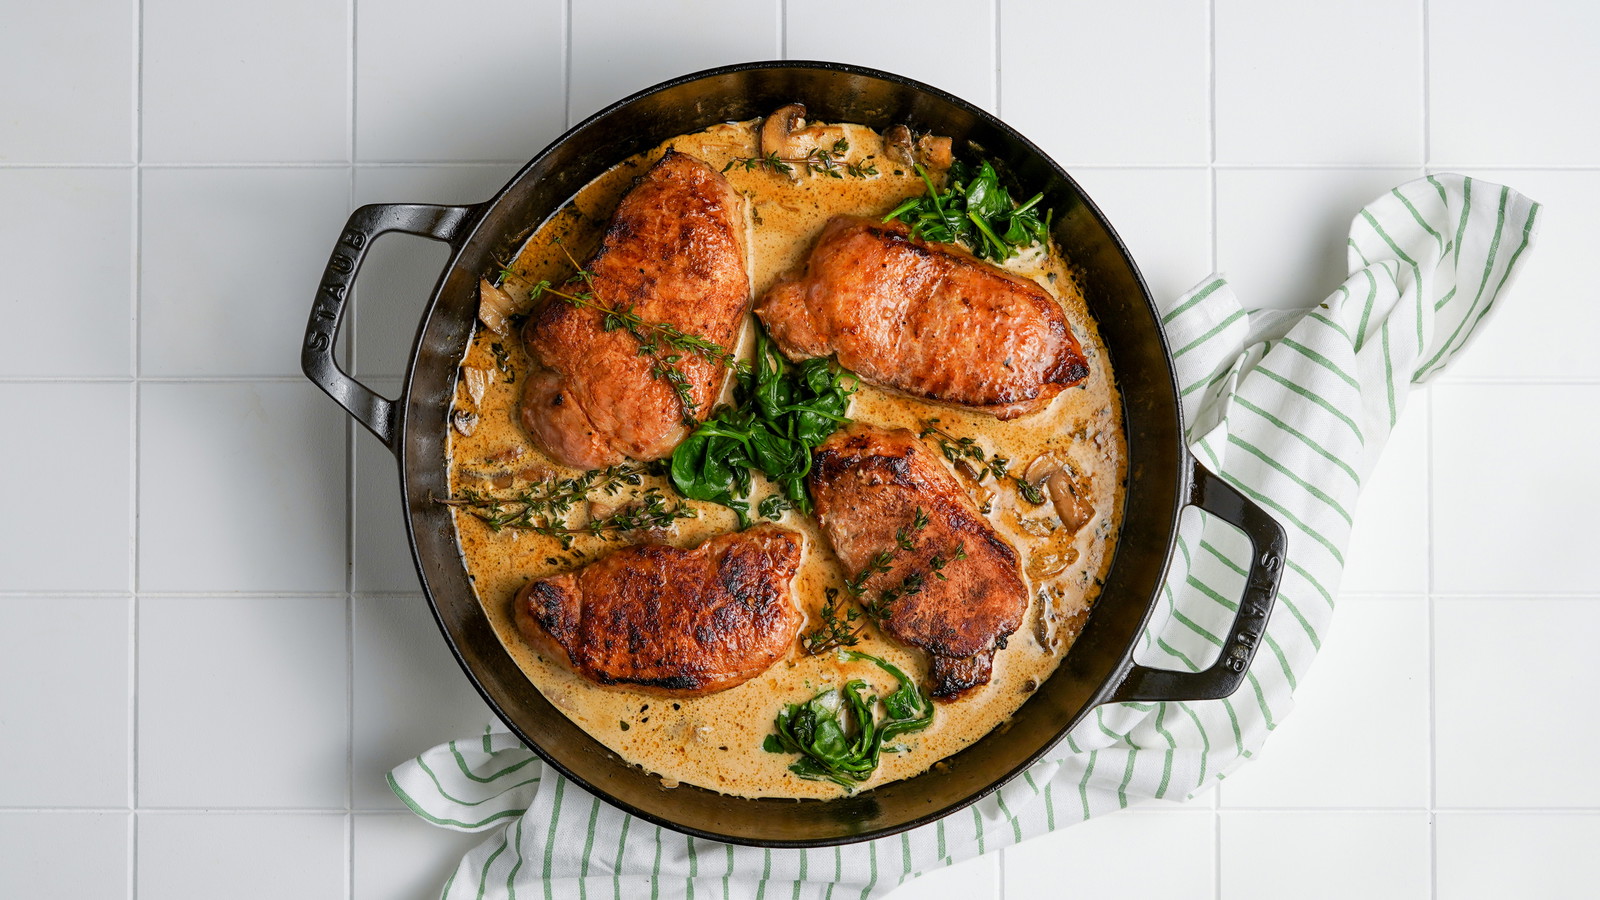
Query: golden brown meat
929, 320
675, 622
675, 254
869, 485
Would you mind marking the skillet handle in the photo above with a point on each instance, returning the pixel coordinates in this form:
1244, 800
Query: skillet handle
1209, 492
442, 223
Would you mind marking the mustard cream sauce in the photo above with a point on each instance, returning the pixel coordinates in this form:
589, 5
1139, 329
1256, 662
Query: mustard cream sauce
715, 741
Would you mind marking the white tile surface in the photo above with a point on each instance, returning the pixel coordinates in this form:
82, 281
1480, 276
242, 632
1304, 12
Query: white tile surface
400, 857
54, 467
506, 105
67, 746
246, 82
273, 454
51, 285
401, 269
1331, 855
1358, 736
1522, 92
409, 692
1109, 83
1513, 728
1485, 857
243, 702
97, 86
230, 265
947, 43
1388, 552
245, 856
1319, 82
1171, 240
1518, 340
974, 879
1515, 515
620, 47
64, 854
1281, 232
1174, 852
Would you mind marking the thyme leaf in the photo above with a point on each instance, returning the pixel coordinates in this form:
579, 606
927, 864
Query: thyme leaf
829, 161
664, 343
834, 630
543, 507
965, 451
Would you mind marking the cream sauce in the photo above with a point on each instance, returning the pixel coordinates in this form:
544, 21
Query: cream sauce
715, 741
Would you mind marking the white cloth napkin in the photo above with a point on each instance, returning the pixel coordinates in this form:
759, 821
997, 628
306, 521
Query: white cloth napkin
1291, 408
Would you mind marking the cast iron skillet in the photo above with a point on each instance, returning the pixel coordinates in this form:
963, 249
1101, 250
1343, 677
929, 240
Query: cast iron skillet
1162, 477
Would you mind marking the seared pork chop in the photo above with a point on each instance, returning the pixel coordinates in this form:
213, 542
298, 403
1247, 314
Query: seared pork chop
680, 623
886, 501
929, 320
674, 254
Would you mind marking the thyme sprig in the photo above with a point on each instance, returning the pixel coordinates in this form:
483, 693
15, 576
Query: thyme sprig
653, 339
542, 508
665, 344
879, 564
835, 629
964, 451
878, 607
827, 161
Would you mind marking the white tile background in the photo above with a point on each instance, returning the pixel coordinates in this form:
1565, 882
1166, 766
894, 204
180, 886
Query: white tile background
211, 646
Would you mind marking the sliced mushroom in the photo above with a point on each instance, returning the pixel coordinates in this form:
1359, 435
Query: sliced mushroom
1074, 509
897, 145
464, 421
1037, 526
972, 479
777, 131
1044, 619
494, 307
496, 467
1050, 563
477, 381
1071, 504
1041, 467
934, 152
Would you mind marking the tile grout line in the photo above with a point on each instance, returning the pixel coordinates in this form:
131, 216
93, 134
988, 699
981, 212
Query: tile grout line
1430, 485
994, 71
566, 64
783, 29
135, 463
1427, 91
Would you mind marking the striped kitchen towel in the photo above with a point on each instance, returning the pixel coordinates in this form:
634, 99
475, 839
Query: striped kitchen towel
1290, 408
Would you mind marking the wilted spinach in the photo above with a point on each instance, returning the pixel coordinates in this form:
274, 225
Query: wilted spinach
781, 412
838, 733
975, 211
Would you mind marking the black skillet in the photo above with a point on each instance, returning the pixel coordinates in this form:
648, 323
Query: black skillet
1162, 476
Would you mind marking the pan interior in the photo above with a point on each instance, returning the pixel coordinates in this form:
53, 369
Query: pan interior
1117, 298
